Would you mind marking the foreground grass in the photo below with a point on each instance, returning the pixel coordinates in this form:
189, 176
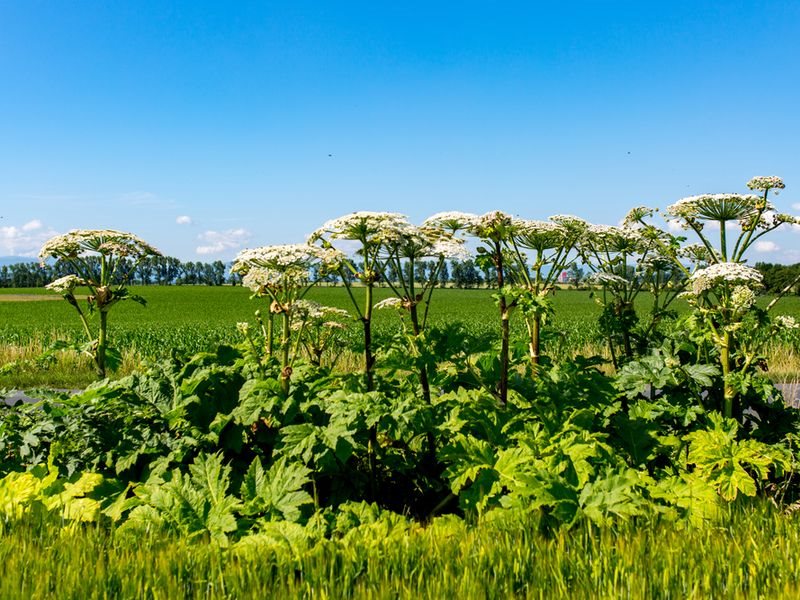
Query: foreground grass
751, 554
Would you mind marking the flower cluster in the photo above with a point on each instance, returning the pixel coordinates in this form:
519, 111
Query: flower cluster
766, 182
540, 235
451, 221
786, 322
724, 273
80, 242
427, 242
393, 302
570, 222
65, 285
606, 238
285, 257
258, 279
601, 278
743, 297
365, 226
308, 312
697, 253
717, 207
636, 215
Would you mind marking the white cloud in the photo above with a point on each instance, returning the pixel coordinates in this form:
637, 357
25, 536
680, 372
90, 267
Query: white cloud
25, 240
796, 206
184, 220
32, 225
729, 225
674, 226
219, 241
766, 247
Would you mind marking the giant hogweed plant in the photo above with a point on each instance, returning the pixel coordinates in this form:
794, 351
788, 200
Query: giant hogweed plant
103, 260
551, 244
412, 296
493, 230
723, 293
523, 283
281, 274
625, 262
369, 231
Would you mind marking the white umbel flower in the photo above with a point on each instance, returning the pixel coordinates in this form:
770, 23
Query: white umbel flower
392, 302
766, 182
724, 273
786, 322
608, 279
717, 207
364, 226
80, 242
451, 220
66, 284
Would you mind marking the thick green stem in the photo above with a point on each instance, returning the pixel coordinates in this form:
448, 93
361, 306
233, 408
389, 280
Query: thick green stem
534, 330
369, 359
102, 342
423, 378
286, 370
723, 243
502, 385
270, 335
729, 394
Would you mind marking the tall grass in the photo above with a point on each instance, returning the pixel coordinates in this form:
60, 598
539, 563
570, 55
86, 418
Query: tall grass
752, 554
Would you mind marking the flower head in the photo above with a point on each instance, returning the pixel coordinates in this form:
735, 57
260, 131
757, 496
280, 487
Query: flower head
570, 222
724, 273
609, 279
605, 238
285, 265
766, 182
786, 322
393, 302
65, 285
80, 242
427, 242
540, 235
717, 207
636, 215
366, 226
451, 221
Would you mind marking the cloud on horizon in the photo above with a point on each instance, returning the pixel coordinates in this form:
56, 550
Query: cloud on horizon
766, 246
24, 240
216, 242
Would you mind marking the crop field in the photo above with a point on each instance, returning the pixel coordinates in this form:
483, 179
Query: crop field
197, 318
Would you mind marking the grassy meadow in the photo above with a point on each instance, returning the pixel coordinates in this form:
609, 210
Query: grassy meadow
750, 554
197, 318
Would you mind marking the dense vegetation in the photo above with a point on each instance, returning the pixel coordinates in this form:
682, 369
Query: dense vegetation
266, 447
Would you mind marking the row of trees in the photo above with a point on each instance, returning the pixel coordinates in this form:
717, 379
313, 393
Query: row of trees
167, 270
155, 270
778, 277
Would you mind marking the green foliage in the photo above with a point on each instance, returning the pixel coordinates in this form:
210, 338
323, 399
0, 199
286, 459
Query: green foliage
276, 493
731, 466
191, 504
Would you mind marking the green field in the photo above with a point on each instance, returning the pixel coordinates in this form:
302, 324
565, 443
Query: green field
197, 318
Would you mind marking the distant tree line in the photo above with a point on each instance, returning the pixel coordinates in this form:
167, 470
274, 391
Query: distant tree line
167, 270
777, 277
158, 270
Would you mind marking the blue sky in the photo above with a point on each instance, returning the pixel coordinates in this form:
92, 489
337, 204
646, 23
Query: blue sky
258, 121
